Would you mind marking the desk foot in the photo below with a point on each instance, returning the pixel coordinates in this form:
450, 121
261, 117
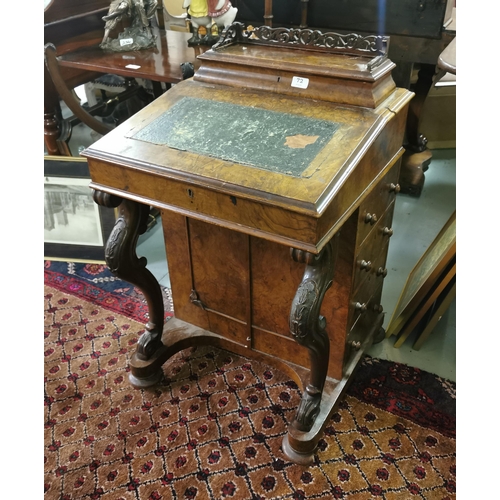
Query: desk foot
142, 383
304, 458
300, 446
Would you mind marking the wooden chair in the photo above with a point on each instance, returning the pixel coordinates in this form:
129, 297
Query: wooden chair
68, 25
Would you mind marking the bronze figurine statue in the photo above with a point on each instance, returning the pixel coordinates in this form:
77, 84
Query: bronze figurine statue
138, 35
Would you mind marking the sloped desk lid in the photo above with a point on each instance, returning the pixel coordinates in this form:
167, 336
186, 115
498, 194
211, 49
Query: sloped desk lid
300, 168
271, 140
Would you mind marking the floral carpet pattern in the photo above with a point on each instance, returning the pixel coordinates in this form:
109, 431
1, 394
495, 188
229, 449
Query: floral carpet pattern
212, 429
96, 283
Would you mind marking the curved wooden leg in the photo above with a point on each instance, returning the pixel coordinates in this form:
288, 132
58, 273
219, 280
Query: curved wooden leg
123, 262
417, 158
308, 327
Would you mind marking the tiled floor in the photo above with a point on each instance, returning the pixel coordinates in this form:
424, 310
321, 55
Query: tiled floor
416, 223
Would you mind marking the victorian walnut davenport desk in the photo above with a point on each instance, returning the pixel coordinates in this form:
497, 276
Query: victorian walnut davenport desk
275, 169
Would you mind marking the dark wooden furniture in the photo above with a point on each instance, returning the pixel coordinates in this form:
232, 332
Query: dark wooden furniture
275, 169
72, 33
419, 29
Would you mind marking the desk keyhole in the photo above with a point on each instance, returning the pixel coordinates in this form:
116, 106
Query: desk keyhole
190, 193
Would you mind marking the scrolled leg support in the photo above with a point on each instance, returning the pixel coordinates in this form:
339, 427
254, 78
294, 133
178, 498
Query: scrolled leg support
308, 326
122, 260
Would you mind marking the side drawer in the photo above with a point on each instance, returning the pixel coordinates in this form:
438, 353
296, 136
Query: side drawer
362, 301
372, 253
376, 203
367, 322
380, 233
368, 269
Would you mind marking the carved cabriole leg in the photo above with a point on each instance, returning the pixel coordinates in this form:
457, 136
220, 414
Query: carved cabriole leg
123, 262
308, 326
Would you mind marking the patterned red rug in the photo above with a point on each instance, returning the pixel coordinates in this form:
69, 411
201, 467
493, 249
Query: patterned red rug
212, 429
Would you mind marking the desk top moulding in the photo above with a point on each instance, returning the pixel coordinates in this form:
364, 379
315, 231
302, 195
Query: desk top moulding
264, 165
348, 69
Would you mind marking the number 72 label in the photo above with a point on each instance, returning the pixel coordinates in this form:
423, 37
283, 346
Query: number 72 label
299, 82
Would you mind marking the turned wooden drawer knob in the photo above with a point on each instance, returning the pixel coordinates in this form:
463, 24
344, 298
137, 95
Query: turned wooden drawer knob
394, 188
382, 271
370, 218
387, 231
360, 307
355, 344
365, 264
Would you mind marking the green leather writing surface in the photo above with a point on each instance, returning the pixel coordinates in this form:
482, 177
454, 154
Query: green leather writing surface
275, 141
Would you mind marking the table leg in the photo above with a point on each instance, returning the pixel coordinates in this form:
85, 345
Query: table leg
417, 158
308, 326
123, 262
51, 133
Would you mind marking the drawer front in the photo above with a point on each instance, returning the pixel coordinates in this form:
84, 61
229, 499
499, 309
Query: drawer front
380, 233
371, 319
362, 301
372, 254
376, 203
368, 269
